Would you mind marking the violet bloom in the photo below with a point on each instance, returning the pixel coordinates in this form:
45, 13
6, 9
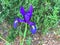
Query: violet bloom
27, 17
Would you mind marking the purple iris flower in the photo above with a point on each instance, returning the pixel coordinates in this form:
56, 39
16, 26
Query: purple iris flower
27, 17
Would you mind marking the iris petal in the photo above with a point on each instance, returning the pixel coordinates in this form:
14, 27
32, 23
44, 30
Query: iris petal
22, 11
17, 20
28, 14
15, 23
21, 20
30, 9
27, 17
32, 27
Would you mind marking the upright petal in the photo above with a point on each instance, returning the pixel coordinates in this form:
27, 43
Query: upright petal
22, 11
30, 9
28, 14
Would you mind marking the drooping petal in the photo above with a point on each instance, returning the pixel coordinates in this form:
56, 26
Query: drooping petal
17, 20
22, 11
20, 20
15, 24
32, 27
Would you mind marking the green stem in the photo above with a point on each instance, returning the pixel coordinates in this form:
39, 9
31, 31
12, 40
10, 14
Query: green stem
4, 40
24, 34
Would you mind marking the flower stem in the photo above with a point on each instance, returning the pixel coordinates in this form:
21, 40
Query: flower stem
24, 34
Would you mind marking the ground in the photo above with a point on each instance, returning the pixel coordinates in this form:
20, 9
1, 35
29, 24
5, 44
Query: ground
51, 38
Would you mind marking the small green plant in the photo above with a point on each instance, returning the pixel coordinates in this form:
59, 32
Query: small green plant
46, 14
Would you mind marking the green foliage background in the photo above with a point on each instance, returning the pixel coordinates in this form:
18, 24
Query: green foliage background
46, 14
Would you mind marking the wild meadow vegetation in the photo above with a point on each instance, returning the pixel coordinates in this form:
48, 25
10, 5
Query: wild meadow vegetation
46, 15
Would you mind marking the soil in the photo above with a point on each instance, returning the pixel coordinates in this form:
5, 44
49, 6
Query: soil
51, 38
